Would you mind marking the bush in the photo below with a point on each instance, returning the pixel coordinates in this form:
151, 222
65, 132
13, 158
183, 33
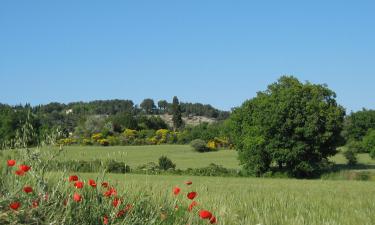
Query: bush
351, 157
113, 166
199, 145
165, 163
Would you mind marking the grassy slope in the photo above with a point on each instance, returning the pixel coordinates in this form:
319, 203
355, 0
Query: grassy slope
268, 201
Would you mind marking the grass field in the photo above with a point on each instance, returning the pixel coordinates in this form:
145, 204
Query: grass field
240, 200
182, 155
268, 201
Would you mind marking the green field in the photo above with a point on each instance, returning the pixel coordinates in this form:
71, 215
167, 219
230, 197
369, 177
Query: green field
240, 200
182, 155
268, 201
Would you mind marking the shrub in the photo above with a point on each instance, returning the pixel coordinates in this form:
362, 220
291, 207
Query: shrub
165, 163
113, 166
351, 157
103, 142
199, 145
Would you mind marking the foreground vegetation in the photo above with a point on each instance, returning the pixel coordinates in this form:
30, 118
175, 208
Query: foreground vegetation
269, 201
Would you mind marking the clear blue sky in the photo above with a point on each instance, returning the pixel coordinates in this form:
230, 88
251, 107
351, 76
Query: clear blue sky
216, 52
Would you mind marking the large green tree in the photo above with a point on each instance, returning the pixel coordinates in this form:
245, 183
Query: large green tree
292, 126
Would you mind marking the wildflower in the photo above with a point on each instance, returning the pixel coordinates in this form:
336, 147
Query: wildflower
105, 184
27, 189
213, 220
105, 219
15, 205
11, 162
77, 197
188, 182
92, 183
73, 178
78, 184
110, 192
204, 214
24, 168
191, 206
176, 190
35, 204
123, 211
116, 202
191, 195
20, 172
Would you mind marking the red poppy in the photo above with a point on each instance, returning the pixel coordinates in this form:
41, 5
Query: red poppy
20, 172
116, 202
77, 197
78, 184
176, 190
191, 206
204, 214
105, 184
27, 189
73, 178
188, 182
110, 192
15, 205
65, 202
105, 219
92, 183
213, 220
24, 168
35, 204
191, 195
123, 211
11, 162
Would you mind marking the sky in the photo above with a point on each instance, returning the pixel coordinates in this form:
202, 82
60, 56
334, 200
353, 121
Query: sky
209, 51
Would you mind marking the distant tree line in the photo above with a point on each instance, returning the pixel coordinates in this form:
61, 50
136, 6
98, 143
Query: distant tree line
104, 116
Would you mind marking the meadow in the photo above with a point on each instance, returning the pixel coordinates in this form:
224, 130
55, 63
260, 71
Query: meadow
182, 155
267, 201
234, 200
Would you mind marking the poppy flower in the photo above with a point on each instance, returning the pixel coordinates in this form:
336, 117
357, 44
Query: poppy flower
78, 184
73, 178
191, 206
213, 220
92, 183
65, 202
123, 211
27, 189
20, 172
116, 202
191, 195
105, 219
105, 184
110, 192
176, 190
77, 197
24, 168
15, 205
35, 204
11, 162
188, 182
204, 214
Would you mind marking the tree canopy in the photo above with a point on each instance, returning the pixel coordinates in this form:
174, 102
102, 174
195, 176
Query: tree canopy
291, 126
